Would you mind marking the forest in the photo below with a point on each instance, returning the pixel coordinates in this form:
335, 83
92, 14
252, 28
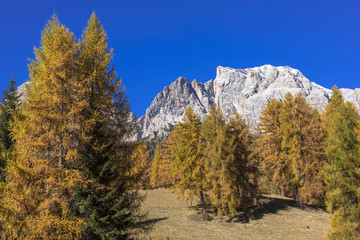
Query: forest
69, 168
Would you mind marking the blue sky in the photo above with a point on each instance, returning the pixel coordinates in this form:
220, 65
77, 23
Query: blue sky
157, 41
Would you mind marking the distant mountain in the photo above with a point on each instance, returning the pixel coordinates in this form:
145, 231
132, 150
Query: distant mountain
245, 91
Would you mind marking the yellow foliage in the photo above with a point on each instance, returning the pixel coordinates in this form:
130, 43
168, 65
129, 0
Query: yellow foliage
43, 172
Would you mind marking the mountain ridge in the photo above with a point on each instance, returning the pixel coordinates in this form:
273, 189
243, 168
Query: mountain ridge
245, 91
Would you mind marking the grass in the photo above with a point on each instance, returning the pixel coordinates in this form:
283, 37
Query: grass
279, 218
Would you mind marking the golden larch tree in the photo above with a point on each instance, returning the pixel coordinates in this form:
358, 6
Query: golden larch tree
141, 164
42, 176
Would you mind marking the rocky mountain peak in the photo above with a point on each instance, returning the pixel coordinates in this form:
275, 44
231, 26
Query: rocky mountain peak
245, 91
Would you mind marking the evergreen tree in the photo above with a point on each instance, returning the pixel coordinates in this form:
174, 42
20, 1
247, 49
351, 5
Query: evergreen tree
341, 170
8, 107
154, 174
106, 202
140, 169
41, 177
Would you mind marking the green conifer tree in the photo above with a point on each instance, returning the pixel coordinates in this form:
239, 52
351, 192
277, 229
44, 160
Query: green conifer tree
8, 107
342, 168
106, 203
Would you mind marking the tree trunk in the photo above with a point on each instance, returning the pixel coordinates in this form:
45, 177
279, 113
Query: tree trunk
204, 214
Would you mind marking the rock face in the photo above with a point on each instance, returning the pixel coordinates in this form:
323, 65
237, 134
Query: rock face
245, 91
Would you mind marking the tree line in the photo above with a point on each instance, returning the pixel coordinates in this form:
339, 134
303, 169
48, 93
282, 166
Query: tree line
295, 151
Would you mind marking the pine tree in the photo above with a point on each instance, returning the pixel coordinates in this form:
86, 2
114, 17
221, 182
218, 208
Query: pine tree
42, 176
140, 169
106, 203
8, 107
342, 168
154, 173
188, 165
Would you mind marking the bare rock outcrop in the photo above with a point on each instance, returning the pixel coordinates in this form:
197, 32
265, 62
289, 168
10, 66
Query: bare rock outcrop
245, 91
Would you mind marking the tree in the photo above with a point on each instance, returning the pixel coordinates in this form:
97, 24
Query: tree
313, 190
188, 164
291, 146
140, 170
165, 167
291, 149
41, 177
342, 168
268, 146
106, 202
213, 133
8, 107
154, 174
241, 174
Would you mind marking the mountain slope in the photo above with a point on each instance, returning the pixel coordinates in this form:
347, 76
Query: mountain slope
245, 91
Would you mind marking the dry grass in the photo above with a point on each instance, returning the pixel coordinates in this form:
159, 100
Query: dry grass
279, 218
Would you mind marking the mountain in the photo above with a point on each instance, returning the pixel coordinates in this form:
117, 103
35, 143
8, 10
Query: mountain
245, 91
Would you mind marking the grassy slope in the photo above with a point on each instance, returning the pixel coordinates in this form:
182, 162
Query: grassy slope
278, 219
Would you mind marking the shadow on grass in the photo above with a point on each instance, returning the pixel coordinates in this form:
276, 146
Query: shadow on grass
150, 222
270, 206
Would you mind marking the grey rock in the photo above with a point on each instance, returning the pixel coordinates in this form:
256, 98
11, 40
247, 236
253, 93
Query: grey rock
244, 91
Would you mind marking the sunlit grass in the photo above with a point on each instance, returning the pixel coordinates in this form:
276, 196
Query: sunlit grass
278, 219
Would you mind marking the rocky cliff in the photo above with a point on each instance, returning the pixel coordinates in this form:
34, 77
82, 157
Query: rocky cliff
245, 91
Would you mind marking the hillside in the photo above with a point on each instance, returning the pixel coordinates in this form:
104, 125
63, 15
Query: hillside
279, 218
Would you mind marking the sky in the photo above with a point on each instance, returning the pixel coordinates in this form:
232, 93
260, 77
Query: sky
157, 41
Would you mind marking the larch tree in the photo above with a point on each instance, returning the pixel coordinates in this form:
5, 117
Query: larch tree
241, 174
140, 169
342, 168
106, 202
42, 174
309, 157
167, 152
188, 165
268, 146
155, 165
313, 190
213, 132
291, 149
